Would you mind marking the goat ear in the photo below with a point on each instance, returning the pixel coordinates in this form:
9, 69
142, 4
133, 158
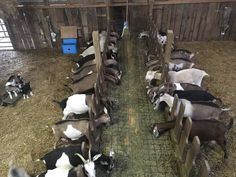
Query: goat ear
96, 157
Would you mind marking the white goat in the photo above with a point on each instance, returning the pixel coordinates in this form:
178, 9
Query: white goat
152, 75
77, 104
192, 76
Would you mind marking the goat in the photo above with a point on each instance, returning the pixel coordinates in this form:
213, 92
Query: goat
84, 84
170, 88
73, 129
181, 53
111, 78
152, 75
162, 38
196, 95
144, 34
26, 90
83, 72
113, 72
112, 64
192, 76
66, 156
206, 130
14, 84
15, 171
195, 111
179, 64
77, 103
85, 59
67, 171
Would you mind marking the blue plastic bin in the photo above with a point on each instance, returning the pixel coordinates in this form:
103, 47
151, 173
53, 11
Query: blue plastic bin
70, 46
70, 41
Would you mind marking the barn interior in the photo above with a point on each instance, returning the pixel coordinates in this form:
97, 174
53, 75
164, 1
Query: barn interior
31, 44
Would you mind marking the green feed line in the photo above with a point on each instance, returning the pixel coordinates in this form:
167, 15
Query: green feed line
137, 152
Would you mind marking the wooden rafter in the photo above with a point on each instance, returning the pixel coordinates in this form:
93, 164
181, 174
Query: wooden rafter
113, 4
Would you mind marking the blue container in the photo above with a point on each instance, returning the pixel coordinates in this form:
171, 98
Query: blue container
69, 49
70, 46
70, 41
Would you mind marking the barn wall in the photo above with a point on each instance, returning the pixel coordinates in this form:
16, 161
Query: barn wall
190, 21
30, 29
196, 22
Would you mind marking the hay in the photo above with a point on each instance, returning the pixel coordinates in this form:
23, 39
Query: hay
24, 136
218, 59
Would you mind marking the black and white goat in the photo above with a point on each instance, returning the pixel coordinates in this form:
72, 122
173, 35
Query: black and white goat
13, 85
197, 111
66, 157
77, 103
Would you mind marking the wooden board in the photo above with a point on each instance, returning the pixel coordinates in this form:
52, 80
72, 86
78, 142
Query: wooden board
68, 32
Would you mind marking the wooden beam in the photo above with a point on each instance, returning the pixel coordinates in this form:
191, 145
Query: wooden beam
170, 39
96, 43
84, 19
151, 4
108, 3
77, 5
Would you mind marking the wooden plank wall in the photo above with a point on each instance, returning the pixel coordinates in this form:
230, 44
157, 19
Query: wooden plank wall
196, 22
30, 28
190, 22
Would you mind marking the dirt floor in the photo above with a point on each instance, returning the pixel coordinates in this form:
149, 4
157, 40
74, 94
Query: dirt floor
24, 136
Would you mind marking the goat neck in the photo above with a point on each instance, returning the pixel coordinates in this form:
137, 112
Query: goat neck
160, 128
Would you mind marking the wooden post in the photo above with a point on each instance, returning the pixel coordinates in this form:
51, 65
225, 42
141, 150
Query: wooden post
92, 126
164, 73
173, 109
96, 43
178, 124
204, 170
184, 140
170, 39
45, 27
84, 19
151, 2
191, 156
108, 15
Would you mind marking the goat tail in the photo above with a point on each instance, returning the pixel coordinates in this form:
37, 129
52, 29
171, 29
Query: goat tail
37, 160
230, 124
226, 109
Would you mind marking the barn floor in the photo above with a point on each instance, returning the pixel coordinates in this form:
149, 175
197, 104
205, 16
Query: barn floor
138, 153
24, 136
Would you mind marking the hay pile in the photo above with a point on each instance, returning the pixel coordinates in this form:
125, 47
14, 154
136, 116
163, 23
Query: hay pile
7, 8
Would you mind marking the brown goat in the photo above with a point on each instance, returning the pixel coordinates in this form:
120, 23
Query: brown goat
74, 129
206, 130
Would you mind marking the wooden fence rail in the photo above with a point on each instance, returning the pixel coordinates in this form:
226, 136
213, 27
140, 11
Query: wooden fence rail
180, 134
